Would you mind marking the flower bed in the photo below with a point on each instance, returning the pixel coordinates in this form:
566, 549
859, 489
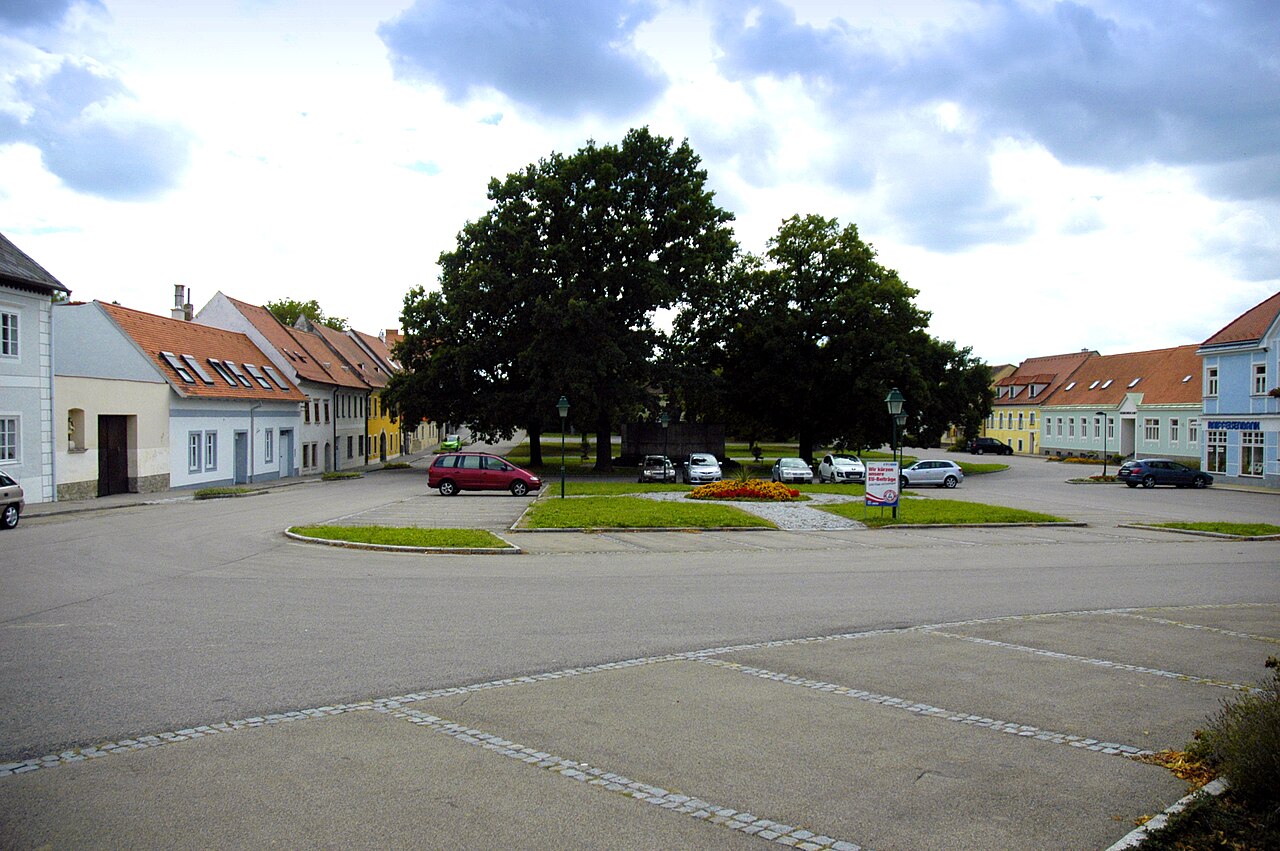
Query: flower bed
749, 489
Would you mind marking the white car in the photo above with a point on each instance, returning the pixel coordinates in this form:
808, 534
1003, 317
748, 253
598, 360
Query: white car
702, 468
840, 469
944, 474
792, 471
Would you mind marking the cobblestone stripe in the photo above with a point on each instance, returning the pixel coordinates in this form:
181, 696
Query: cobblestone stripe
1214, 629
924, 709
730, 819
1102, 663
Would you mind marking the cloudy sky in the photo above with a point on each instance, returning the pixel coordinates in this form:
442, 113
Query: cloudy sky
1049, 175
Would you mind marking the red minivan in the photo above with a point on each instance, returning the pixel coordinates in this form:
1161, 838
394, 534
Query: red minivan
475, 471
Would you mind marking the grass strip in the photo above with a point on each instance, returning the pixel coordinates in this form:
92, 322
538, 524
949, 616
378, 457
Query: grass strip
633, 512
590, 488
1242, 529
401, 536
925, 511
222, 492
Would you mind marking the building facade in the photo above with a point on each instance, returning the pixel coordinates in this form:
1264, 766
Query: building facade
1015, 412
1241, 416
28, 425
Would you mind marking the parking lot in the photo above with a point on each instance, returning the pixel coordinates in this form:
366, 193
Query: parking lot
892, 689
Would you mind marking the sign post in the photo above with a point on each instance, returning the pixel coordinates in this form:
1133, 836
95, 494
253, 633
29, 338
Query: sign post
882, 484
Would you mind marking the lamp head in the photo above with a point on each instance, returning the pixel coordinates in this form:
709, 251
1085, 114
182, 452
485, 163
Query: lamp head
894, 402
563, 407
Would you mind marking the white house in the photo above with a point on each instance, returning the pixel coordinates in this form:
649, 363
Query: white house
169, 403
27, 422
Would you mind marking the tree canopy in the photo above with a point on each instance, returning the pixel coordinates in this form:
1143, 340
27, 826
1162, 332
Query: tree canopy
287, 310
554, 291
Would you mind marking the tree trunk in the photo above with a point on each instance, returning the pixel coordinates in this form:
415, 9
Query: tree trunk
805, 440
535, 446
604, 444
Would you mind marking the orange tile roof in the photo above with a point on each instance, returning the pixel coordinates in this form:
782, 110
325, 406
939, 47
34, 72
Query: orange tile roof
1050, 371
155, 334
379, 348
1163, 377
1250, 325
362, 364
304, 351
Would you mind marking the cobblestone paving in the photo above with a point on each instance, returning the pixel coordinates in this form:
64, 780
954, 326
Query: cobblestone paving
788, 516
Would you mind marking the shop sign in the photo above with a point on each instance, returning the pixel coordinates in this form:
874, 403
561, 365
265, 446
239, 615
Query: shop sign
1235, 425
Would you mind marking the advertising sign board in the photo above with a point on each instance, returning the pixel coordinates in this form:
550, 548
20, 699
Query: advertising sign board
882, 484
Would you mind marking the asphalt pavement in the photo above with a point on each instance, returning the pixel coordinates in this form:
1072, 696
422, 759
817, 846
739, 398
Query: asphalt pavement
848, 688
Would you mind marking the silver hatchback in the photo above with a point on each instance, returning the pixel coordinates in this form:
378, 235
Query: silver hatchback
11, 501
944, 474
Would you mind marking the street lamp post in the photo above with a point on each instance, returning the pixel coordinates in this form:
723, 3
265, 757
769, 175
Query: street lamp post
894, 403
563, 407
1103, 414
666, 421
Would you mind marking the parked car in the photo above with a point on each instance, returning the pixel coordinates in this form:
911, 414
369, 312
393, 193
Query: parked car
944, 474
1150, 472
792, 471
702, 467
841, 468
983, 445
657, 468
11, 501
451, 443
476, 471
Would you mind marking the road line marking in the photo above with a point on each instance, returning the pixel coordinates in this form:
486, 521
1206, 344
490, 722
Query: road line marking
926, 710
730, 819
1202, 627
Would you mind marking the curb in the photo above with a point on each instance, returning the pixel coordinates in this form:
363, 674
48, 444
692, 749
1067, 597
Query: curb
1067, 523
1134, 838
596, 530
1199, 533
395, 548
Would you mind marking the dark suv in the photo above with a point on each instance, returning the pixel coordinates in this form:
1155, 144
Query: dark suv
983, 445
1150, 472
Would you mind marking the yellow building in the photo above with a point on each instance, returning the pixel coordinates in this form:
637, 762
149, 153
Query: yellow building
1015, 413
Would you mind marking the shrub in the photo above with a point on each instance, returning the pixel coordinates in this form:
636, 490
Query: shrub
1242, 741
749, 489
333, 477
397, 465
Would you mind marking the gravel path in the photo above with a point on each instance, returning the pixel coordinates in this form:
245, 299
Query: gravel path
791, 516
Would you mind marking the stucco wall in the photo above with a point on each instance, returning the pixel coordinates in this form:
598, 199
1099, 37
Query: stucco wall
77, 454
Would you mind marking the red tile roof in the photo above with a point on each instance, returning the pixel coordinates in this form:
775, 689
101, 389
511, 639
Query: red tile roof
1162, 376
156, 334
379, 348
306, 352
362, 363
1049, 371
1250, 325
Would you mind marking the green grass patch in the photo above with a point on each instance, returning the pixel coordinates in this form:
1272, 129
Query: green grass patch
633, 512
405, 536
1242, 529
923, 511
980, 469
593, 488
334, 477
223, 492
397, 465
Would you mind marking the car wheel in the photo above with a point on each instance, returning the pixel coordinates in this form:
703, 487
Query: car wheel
981, 451
1132, 484
448, 488
902, 482
519, 487
1148, 481
1199, 482
9, 517
950, 482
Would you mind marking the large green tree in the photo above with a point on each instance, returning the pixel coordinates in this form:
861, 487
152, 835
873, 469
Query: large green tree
554, 291
287, 310
807, 341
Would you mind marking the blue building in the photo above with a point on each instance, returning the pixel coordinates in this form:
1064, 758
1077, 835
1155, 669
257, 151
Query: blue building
1241, 419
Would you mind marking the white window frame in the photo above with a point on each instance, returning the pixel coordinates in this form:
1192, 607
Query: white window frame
1174, 423
10, 439
1059, 426
1097, 427
268, 445
1211, 381
9, 334
195, 445
1252, 453
1215, 453
1151, 429
1111, 428
1193, 432
1071, 427
211, 450
1259, 379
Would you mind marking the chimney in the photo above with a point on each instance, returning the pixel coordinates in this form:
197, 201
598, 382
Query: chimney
181, 303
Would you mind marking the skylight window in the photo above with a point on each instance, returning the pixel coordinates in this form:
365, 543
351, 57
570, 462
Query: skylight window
1135, 381
257, 376
219, 368
275, 377
182, 371
1094, 384
1185, 380
197, 369
235, 370
1069, 386
1106, 384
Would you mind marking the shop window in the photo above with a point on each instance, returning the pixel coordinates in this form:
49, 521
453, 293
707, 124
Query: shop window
1251, 446
1216, 450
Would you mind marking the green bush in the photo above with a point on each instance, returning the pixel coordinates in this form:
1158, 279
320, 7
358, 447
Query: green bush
334, 477
1242, 741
